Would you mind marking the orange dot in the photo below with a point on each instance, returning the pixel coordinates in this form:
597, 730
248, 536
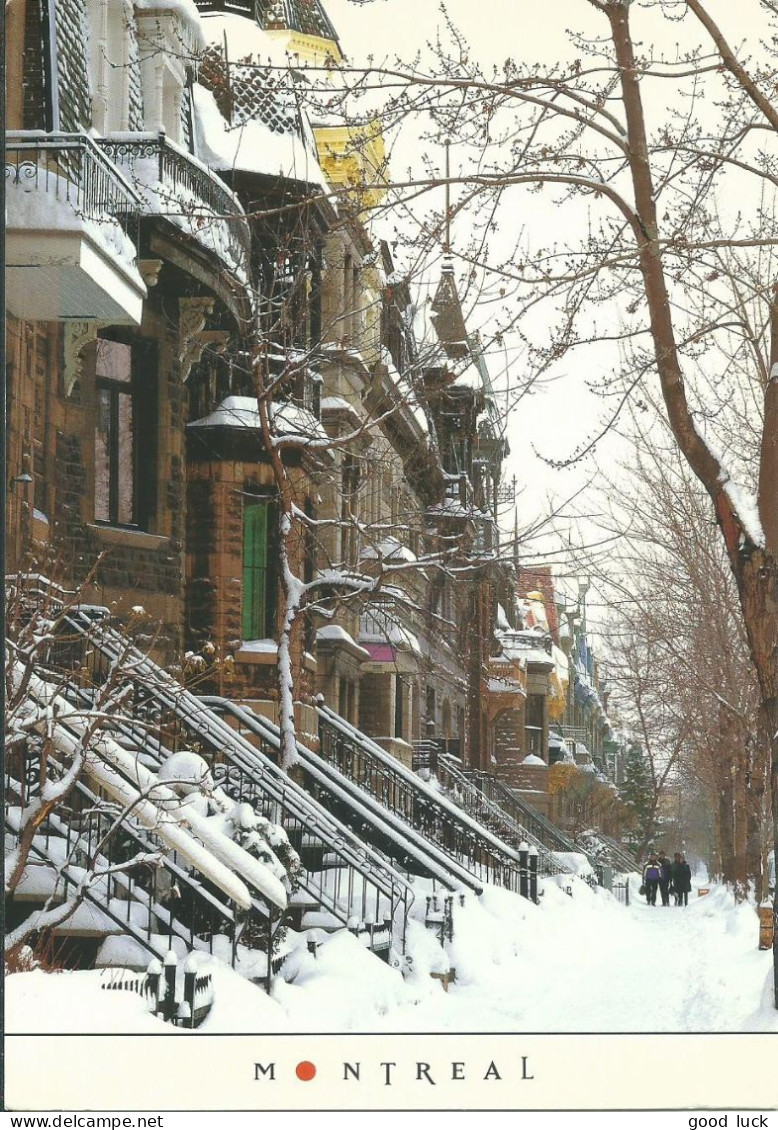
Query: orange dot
305, 1071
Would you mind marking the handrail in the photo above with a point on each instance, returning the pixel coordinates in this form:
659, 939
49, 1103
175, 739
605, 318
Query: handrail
72, 167
219, 913
376, 817
619, 853
257, 778
181, 173
524, 813
439, 819
479, 802
125, 926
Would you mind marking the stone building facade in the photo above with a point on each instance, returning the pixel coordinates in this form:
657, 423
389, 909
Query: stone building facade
182, 241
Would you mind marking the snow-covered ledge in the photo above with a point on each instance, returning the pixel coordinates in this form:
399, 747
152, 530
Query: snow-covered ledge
126, 536
258, 652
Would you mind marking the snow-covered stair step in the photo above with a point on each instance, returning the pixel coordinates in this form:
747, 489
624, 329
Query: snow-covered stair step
300, 904
320, 920
87, 921
37, 884
122, 951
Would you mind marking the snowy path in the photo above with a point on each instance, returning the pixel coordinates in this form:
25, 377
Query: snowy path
591, 965
582, 964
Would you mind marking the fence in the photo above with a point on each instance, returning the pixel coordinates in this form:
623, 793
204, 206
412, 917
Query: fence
184, 1002
72, 168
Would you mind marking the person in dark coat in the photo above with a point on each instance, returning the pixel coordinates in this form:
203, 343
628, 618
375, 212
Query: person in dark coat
664, 879
675, 877
652, 873
681, 876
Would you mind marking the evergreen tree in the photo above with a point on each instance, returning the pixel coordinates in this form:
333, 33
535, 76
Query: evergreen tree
637, 794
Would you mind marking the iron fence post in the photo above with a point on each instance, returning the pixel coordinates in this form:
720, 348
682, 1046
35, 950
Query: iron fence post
190, 978
170, 970
533, 873
523, 869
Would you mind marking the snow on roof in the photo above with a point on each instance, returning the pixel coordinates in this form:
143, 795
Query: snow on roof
244, 37
287, 418
185, 10
336, 634
383, 626
469, 377
251, 146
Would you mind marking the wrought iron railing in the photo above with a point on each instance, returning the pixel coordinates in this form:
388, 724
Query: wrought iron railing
183, 186
438, 819
182, 1000
618, 853
544, 830
175, 904
72, 168
515, 831
347, 879
392, 836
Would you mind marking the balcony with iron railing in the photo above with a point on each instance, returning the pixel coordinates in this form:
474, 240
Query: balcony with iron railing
173, 183
69, 216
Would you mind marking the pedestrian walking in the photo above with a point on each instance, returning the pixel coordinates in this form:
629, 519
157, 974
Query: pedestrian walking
652, 873
681, 875
675, 878
664, 878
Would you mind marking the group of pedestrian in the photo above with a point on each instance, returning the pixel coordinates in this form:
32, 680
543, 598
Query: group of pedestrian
675, 878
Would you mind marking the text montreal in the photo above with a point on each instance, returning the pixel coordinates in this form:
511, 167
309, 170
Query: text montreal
388, 1072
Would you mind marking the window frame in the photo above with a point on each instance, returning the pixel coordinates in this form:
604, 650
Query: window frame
141, 389
258, 618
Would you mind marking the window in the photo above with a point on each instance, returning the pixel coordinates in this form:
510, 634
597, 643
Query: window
125, 433
399, 706
259, 587
349, 508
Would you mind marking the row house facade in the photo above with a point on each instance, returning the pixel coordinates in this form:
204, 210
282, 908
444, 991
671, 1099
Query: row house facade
182, 240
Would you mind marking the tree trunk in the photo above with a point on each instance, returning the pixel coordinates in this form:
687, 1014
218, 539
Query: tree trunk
755, 567
726, 829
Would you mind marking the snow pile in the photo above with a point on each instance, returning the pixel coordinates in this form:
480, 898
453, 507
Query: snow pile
252, 146
569, 964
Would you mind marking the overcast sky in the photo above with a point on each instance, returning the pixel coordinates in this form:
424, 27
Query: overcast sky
554, 422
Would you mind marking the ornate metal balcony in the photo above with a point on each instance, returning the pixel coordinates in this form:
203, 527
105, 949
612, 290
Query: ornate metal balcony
174, 183
68, 213
70, 167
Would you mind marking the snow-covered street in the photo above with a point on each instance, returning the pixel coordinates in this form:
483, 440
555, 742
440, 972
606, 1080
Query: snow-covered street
581, 964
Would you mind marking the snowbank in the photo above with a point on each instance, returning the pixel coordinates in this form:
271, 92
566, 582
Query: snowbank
571, 964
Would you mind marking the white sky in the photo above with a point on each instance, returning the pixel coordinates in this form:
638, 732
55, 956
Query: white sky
556, 420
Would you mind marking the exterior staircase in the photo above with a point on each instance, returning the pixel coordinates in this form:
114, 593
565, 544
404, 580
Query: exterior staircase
456, 815
534, 824
342, 882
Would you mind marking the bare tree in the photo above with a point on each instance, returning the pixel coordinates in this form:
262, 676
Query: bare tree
657, 266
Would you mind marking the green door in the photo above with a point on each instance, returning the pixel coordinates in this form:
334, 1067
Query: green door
255, 570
